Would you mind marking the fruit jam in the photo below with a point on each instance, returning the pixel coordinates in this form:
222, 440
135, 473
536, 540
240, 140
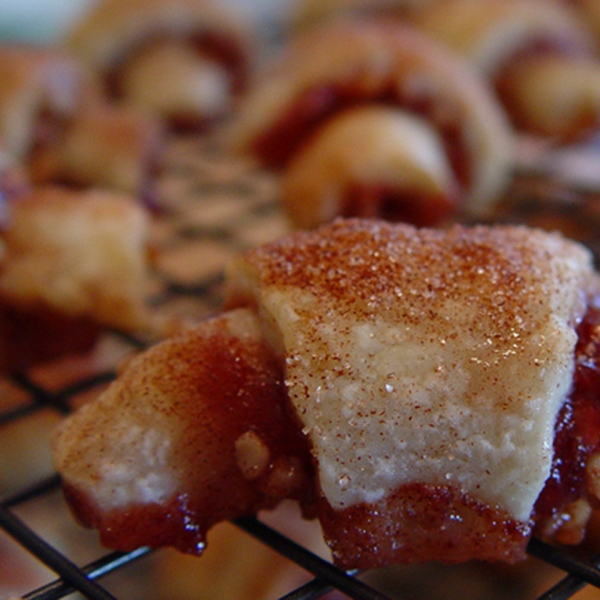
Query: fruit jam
578, 425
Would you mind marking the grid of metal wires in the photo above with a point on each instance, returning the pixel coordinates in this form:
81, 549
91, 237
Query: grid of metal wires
212, 210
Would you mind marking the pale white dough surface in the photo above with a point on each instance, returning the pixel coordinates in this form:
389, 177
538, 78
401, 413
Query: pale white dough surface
430, 357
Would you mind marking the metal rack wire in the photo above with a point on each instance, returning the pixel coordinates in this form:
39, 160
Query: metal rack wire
220, 209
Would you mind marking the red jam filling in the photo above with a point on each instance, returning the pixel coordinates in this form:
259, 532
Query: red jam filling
577, 434
34, 336
416, 523
395, 205
421, 523
241, 392
315, 105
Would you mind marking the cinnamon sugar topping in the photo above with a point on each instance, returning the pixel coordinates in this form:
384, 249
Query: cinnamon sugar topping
423, 356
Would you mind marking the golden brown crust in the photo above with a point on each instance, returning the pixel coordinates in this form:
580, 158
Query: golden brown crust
346, 63
308, 12
112, 26
371, 162
489, 32
590, 13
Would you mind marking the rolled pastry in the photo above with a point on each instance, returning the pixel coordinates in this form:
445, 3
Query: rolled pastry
370, 118
55, 123
72, 262
106, 146
187, 60
540, 56
431, 394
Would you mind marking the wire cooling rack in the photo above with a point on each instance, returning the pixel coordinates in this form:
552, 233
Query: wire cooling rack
212, 210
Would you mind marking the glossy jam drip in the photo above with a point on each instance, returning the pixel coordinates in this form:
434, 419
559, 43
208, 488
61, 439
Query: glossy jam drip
578, 425
421, 523
318, 103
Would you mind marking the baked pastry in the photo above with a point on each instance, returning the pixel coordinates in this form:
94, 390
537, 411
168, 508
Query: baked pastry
184, 59
72, 262
41, 88
540, 57
409, 385
105, 146
219, 384
370, 118
55, 123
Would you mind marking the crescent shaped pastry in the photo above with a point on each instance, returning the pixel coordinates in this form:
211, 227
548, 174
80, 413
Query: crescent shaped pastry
71, 262
461, 140
216, 387
187, 60
433, 379
539, 55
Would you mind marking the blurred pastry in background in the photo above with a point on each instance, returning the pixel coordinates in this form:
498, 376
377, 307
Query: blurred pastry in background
186, 60
540, 57
72, 262
371, 118
106, 146
55, 123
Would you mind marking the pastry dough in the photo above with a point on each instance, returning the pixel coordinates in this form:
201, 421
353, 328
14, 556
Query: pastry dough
106, 146
426, 371
41, 88
310, 117
540, 56
55, 123
374, 162
75, 258
184, 59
